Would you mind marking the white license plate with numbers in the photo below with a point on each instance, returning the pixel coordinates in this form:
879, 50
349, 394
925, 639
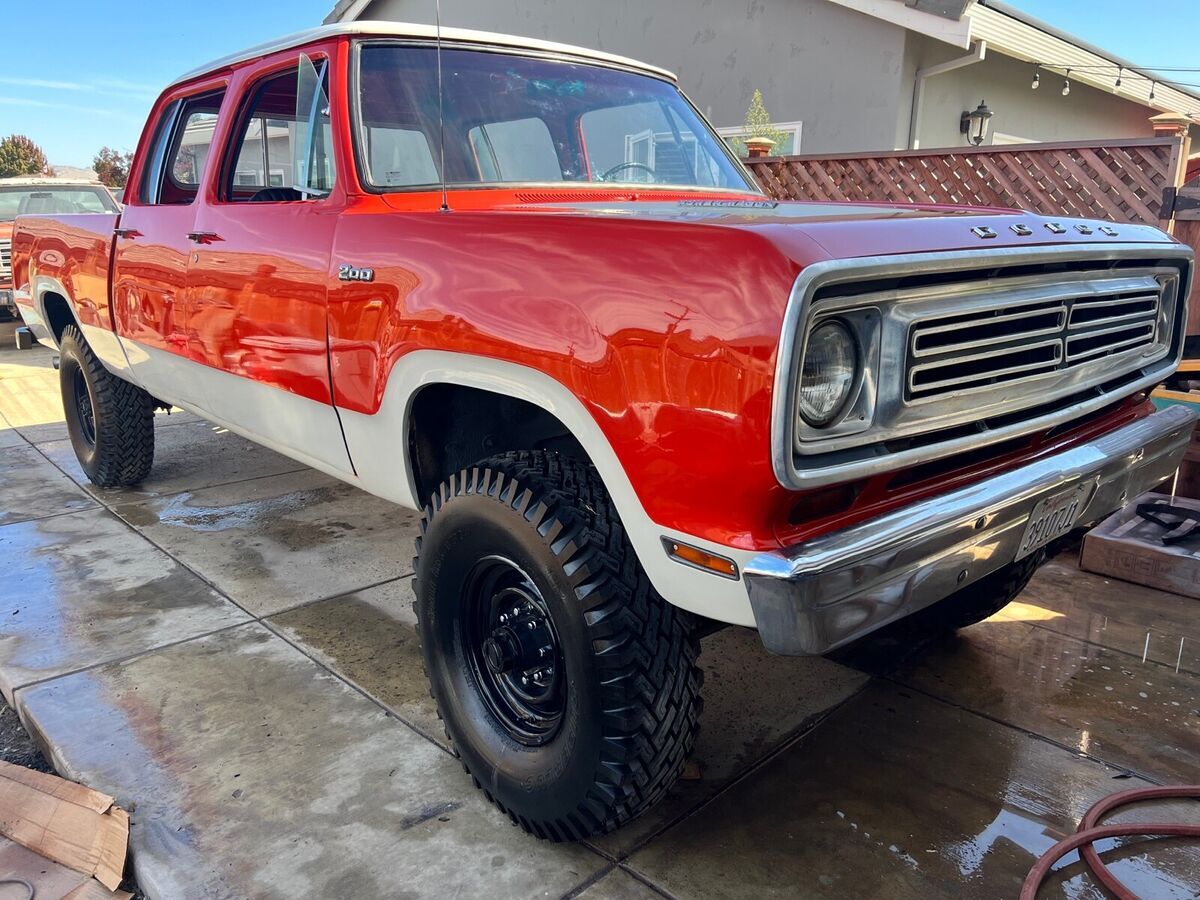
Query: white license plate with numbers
1053, 517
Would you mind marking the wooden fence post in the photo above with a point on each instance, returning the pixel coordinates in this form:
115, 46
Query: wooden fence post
1173, 125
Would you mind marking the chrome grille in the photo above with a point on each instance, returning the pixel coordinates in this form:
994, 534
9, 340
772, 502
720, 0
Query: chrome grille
5, 259
1016, 341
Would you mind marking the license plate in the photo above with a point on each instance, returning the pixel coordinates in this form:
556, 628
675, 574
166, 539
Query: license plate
1052, 518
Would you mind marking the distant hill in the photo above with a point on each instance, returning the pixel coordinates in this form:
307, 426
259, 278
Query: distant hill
75, 173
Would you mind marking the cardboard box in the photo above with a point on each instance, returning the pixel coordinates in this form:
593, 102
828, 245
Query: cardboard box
1130, 548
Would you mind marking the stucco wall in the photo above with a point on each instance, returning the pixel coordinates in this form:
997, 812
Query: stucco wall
1041, 115
836, 70
848, 77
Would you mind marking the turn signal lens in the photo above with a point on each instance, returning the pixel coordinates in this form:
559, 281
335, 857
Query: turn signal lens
700, 559
829, 374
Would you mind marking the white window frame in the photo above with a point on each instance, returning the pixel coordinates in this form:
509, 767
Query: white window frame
1000, 139
796, 129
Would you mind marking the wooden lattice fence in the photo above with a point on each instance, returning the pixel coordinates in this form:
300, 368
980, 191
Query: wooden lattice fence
1122, 181
1129, 180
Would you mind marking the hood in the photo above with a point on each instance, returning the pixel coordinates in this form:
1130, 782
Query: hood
851, 230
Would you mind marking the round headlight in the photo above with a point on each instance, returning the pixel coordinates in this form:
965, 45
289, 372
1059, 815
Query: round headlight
830, 371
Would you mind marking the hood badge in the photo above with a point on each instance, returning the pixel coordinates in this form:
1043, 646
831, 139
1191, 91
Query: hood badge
1020, 229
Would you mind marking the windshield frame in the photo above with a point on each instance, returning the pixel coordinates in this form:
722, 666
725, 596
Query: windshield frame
360, 162
99, 190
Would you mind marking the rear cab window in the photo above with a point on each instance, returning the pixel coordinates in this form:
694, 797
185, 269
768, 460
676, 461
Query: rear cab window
181, 150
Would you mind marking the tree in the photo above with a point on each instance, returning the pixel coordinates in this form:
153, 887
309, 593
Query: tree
112, 166
758, 122
21, 156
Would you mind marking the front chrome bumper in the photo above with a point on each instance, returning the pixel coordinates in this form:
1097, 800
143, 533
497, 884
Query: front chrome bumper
819, 595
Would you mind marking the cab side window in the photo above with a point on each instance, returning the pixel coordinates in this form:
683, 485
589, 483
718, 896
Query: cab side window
182, 149
283, 151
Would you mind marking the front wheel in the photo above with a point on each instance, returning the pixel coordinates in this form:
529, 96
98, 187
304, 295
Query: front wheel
568, 687
110, 421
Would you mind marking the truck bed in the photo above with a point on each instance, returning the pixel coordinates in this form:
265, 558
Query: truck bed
66, 254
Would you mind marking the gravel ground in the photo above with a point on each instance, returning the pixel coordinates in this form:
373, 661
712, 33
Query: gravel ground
16, 746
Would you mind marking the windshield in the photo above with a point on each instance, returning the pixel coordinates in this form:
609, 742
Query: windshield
515, 119
50, 199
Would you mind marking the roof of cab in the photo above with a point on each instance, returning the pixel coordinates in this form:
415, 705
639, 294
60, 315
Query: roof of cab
423, 32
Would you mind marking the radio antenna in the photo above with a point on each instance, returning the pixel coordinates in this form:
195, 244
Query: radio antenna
437, 6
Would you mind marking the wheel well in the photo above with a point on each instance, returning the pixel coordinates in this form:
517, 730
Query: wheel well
58, 314
452, 427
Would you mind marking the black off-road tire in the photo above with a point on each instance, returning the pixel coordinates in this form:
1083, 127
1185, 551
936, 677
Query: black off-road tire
631, 702
984, 598
116, 448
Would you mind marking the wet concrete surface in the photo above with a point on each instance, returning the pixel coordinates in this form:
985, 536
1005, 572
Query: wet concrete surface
275, 542
82, 589
311, 789
228, 458
300, 755
898, 795
32, 488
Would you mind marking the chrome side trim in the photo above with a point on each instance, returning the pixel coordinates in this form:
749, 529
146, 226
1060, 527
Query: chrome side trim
837, 587
820, 472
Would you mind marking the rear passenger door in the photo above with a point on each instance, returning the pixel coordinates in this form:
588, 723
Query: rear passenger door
258, 279
155, 242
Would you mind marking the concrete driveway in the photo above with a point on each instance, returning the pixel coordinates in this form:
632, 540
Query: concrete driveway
230, 651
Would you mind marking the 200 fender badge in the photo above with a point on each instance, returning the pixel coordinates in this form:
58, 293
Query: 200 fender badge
347, 272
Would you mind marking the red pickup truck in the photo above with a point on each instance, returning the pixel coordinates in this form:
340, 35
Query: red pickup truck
526, 289
41, 194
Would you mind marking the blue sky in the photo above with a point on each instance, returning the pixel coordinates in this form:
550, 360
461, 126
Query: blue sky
113, 58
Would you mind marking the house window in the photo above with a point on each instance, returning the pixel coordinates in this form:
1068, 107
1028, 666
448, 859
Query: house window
735, 137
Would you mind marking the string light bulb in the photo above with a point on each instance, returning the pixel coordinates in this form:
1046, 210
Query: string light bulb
1120, 71
1066, 90
1037, 78
1152, 85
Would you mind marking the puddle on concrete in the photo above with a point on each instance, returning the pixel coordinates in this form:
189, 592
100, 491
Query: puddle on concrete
82, 588
897, 795
1142, 716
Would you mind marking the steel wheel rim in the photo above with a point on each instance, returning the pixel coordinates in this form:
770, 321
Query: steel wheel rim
83, 408
513, 651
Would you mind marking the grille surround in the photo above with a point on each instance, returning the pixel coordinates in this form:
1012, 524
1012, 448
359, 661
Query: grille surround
885, 433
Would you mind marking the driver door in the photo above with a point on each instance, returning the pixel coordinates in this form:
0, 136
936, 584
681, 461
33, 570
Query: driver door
257, 281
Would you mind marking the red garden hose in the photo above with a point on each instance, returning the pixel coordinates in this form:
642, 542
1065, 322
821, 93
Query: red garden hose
1089, 831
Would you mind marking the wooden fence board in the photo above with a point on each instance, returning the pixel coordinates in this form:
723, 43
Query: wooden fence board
1118, 180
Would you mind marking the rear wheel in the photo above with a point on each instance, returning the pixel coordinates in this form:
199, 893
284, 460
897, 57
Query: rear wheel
567, 686
110, 421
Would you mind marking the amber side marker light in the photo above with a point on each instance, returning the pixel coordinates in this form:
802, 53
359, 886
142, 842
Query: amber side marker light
700, 559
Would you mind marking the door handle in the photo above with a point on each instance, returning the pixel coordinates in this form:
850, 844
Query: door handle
127, 233
203, 237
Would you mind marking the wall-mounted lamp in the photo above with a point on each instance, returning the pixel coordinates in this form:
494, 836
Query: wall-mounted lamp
975, 124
